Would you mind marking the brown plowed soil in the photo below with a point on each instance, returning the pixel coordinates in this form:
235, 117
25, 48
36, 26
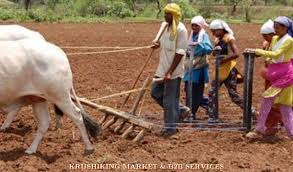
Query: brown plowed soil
104, 74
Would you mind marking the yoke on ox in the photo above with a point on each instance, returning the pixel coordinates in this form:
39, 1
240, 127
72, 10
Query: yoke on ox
37, 68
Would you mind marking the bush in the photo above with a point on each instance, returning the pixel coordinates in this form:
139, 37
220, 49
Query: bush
7, 4
6, 15
186, 8
64, 9
147, 11
205, 8
120, 9
22, 16
102, 8
85, 7
223, 16
52, 4
41, 16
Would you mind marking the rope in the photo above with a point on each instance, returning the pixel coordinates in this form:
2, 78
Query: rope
119, 94
126, 92
89, 47
106, 52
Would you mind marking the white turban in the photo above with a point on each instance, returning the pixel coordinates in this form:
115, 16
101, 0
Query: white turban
268, 27
220, 24
200, 21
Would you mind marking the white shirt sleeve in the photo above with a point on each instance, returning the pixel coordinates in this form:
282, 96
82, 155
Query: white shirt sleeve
163, 25
182, 41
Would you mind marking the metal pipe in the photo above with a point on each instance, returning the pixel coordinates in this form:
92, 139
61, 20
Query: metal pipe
217, 50
247, 92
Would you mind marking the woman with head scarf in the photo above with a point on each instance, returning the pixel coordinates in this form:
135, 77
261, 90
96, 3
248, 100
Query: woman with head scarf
274, 118
280, 75
268, 32
228, 74
201, 44
173, 44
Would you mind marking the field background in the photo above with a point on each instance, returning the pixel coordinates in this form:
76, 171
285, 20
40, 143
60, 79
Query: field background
141, 10
101, 75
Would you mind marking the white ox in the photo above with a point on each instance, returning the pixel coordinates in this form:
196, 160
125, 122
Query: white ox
14, 33
36, 72
17, 32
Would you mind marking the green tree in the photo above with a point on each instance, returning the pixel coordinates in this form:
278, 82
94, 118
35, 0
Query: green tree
131, 4
246, 5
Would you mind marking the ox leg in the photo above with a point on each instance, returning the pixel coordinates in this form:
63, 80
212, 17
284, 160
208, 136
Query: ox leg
74, 113
12, 111
10, 117
41, 112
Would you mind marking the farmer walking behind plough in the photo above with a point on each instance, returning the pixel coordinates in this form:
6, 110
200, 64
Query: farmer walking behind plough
173, 44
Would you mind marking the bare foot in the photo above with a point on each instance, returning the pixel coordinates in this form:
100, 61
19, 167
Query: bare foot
254, 135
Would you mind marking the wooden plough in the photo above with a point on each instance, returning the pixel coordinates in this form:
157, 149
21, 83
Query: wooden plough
131, 117
126, 118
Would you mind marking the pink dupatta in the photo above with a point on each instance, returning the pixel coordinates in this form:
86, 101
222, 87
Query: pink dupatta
280, 75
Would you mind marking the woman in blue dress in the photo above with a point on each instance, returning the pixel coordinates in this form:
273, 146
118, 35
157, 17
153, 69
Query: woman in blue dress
202, 47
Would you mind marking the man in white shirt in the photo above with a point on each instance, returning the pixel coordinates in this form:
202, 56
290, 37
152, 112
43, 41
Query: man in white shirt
173, 44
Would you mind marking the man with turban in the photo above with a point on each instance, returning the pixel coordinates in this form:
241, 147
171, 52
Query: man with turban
173, 44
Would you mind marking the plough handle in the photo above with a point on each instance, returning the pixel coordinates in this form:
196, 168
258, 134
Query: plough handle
159, 35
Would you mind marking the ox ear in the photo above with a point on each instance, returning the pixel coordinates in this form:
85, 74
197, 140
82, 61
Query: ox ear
91, 126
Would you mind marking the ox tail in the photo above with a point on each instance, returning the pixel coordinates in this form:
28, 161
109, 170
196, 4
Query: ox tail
92, 127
